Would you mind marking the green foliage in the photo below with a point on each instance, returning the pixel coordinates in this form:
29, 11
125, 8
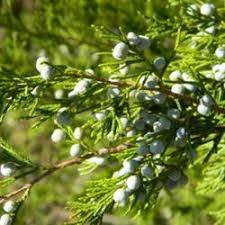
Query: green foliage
77, 35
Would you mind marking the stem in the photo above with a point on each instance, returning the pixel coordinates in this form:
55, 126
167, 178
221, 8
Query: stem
167, 92
132, 85
28, 186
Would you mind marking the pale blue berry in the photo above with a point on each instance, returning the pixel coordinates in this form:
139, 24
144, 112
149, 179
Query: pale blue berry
5, 219
139, 124
178, 88
220, 52
143, 149
206, 100
46, 72
157, 147
96, 160
90, 71
207, 9
190, 87
100, 115
120, 51
9, 206
58, 135
216, 68
161, 124
149, 81
133, 38
219, 76
81, 86
186, 77
175, 75
130, 165
124, 121
203, 109
41, 62
124, 69
159, 98
192, 9
7, 169
36, 91
78, 133
173, 113
59, 94
144, 42
120, 196
159, 63
75, 150
131, 133
133, 182
181, 133
62, 117
113, 92
146, 171
211, 29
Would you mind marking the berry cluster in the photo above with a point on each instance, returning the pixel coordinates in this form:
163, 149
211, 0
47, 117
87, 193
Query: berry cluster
156, 128
138, 169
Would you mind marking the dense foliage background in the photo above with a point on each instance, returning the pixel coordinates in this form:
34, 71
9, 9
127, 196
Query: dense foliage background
69, 33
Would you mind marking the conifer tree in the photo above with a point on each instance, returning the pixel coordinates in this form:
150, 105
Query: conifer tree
112, 112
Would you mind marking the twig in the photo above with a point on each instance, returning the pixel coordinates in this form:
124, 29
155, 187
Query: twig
163, 90
167, 92
27, 187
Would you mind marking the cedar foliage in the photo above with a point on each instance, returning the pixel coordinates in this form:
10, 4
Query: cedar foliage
77, 35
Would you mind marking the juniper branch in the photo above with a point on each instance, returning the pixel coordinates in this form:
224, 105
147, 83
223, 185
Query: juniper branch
131, 85
163, 90
60, 166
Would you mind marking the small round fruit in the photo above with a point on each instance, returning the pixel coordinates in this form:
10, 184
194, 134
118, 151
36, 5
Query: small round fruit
5, 219
120, 51
203, 109
146, 171
178, 88
120, 196
159, 63
175, 75
173, 113
220, 52
157, 147
133, 182
75, 150
78, 133
143, 149
58, 135
96, 160
113, 92
133, 38
144, 42
41, 62
46, 72
206, 100
9, 206
7, 169
207, 9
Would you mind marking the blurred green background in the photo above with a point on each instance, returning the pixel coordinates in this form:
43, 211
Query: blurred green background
62, 29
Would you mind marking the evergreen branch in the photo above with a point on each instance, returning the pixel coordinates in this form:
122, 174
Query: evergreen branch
58, 167
167, 92
132, 85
